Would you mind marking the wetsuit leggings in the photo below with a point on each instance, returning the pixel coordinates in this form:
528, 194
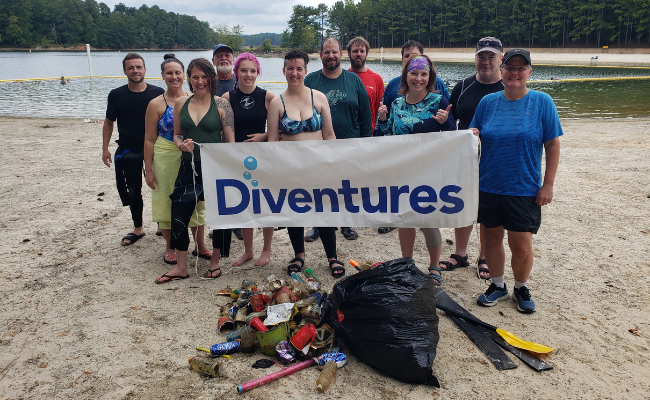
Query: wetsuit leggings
128, 177
181, 214
432, 237
327, 235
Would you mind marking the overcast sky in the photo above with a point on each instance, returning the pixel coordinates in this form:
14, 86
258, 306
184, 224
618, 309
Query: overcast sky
254, 16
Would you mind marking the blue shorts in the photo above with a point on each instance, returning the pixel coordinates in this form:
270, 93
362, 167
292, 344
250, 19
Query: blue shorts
514, 213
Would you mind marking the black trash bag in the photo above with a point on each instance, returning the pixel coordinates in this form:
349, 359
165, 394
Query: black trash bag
389, 319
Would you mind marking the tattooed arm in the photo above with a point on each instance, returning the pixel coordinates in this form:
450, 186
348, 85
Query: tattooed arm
227, 120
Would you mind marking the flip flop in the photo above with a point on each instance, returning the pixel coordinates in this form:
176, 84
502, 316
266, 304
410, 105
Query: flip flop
170, 259
170, 278
208, 274
205, 255
132, 238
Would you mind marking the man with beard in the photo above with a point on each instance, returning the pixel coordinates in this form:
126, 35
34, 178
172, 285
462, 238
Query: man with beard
348, 100
464, 99
358, 49
128, 105
223, 60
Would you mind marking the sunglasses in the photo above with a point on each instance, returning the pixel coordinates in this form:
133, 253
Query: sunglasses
489, 43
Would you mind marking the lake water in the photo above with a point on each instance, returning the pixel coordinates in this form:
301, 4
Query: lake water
86, 98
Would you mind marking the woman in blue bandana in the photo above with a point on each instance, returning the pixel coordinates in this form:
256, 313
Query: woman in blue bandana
418, 110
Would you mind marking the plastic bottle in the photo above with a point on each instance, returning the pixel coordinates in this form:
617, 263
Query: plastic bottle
309, 273
208, 366
326, 376
312, 282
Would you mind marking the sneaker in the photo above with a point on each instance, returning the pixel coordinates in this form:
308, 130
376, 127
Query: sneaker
525, 303
349, 233
312, 235
492, 296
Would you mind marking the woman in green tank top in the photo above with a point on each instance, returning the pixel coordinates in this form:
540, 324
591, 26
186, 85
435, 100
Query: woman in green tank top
200, 118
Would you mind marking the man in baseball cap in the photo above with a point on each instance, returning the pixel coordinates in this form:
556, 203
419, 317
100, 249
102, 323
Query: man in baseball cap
464, 99
222, 58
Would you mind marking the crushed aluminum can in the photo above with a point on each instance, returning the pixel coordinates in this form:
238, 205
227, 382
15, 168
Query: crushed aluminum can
220, 349
303, 339
339, 358
225, 323
241, 315
285, 352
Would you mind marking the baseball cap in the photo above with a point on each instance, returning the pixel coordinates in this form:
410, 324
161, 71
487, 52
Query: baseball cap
221, 46
517, 52
489, 43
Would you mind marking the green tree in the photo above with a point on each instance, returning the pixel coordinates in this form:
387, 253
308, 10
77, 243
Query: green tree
266, 45
232, 36
303, 31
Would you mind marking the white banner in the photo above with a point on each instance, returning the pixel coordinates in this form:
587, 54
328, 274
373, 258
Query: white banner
424, 180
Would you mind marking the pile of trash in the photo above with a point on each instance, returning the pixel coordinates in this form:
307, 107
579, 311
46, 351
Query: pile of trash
283, 319
384, 314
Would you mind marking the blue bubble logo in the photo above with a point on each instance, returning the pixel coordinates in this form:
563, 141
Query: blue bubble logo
254, 183
247, 175
250, 163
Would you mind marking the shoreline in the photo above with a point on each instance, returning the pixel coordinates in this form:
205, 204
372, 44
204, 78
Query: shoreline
82, 317
615, 57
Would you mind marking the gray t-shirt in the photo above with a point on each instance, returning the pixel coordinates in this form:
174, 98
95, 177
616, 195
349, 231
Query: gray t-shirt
225, 86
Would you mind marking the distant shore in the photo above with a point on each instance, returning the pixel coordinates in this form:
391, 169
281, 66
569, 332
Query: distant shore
622, 57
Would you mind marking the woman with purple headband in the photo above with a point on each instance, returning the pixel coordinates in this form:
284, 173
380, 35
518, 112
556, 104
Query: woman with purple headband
250, 104
420, 110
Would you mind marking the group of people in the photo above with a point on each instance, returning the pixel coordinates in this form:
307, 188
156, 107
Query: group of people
164, 128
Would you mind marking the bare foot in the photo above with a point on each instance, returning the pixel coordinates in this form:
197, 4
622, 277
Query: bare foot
264, 259
242, 259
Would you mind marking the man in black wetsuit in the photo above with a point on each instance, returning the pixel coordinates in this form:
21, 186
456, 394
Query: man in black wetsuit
464, 99
128, 105
222, 58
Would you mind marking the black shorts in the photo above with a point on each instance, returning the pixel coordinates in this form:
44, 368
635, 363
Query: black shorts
514, 213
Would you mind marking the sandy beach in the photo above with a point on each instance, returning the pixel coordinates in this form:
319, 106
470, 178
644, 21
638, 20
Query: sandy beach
557, 56
82, 318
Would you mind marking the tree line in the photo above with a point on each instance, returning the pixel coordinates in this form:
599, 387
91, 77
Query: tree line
460, 23
57, 23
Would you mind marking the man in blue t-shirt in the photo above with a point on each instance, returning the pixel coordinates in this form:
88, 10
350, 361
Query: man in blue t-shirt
348, 101
127, 105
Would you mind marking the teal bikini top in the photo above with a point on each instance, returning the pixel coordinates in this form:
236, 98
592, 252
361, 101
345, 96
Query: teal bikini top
291, 126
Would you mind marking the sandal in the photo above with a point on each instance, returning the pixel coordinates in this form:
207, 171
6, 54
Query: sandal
484, 270
385, 230
294, 266
170, 259
131, 238
207, 255
338, 270
437, 278
461, 262
169, 278
208, 274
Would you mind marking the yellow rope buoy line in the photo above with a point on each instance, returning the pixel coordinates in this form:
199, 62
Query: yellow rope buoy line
385, 84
